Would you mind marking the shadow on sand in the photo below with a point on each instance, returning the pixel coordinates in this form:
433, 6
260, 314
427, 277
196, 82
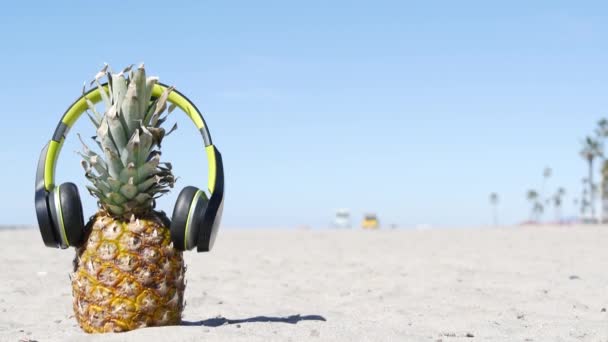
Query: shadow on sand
219, 321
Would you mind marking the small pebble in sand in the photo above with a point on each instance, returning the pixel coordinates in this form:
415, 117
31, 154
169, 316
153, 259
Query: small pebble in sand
520, 316
238, 325
603, 310
470, 335
574, 276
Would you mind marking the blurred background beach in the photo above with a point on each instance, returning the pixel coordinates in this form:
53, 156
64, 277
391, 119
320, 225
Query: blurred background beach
468, 135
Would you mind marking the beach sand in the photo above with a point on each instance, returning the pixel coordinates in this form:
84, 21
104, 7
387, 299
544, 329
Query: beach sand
506, 284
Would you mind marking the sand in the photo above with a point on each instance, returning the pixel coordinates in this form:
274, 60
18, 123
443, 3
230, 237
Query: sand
509, 284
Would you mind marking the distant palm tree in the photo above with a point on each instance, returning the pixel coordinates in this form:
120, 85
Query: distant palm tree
602, 133
584, 201
537, 206
592, 149
538, 209
546, 174
557, 203
602, 128
494, 203
604, 194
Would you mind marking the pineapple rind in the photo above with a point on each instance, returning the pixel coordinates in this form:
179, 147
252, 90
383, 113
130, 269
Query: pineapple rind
127, 276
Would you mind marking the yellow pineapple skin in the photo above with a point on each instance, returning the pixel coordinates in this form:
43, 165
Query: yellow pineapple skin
127, 275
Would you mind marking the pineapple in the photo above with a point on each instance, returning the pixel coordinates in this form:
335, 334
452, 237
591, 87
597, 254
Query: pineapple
127, 274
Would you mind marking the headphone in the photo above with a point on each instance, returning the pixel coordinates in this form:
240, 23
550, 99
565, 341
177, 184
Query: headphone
195, 219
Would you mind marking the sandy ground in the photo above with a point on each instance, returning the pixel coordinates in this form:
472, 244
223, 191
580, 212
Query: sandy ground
511, 284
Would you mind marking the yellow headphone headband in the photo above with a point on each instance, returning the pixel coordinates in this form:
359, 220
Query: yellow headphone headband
94, 95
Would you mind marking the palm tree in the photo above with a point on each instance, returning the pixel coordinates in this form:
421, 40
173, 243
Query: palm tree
537, 207
602, 132
494, 203
592, 149
546, 174
602, 128
584, 202
557, 203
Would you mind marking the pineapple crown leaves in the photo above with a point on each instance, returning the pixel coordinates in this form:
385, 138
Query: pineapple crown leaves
127, 176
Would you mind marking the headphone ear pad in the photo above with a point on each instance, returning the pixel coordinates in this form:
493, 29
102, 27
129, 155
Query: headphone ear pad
66, 214
187, 216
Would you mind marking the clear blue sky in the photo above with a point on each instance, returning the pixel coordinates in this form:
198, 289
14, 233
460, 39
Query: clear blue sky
415, 111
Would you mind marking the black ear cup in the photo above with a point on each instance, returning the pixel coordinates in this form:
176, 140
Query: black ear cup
213, 214
66, 215
187, 217
210, 224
